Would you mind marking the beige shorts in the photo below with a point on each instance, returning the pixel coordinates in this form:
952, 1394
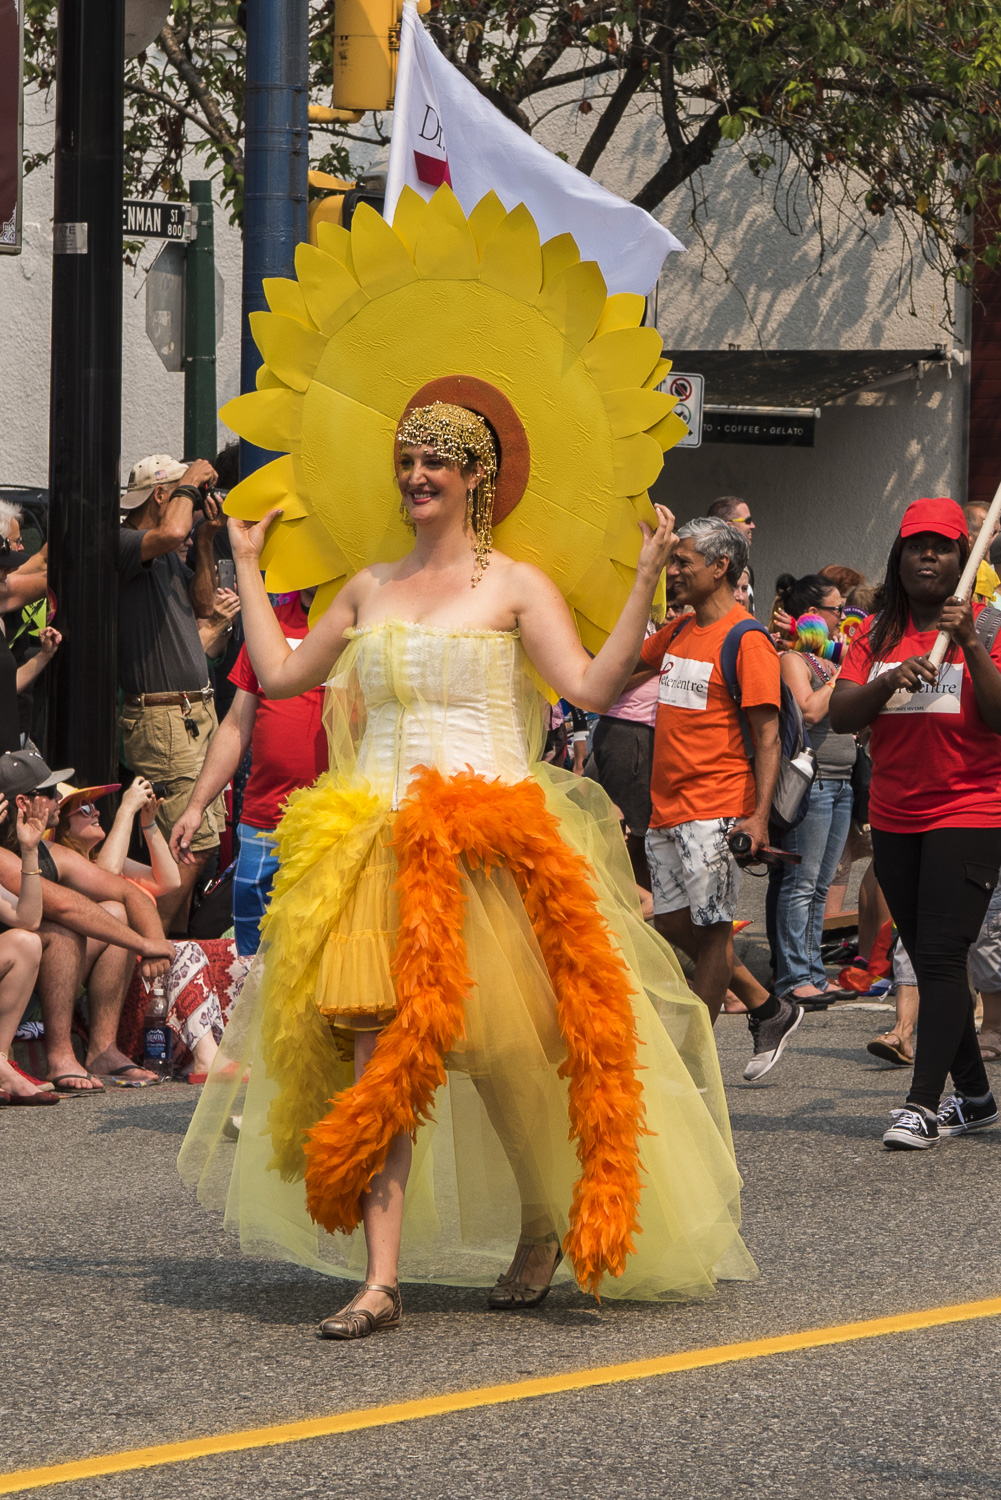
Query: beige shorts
155, 744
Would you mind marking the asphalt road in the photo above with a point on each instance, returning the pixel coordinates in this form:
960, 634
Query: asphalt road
131, 1319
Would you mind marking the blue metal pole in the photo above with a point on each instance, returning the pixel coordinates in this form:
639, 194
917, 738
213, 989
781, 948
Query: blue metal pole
277, 161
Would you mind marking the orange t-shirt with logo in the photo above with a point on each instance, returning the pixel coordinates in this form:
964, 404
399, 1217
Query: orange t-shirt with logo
700, 767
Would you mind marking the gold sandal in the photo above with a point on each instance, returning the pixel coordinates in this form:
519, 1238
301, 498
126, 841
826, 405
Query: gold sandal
357, 1322
510, 1293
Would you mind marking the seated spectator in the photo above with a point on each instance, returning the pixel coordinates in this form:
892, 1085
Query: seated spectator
93, 923
289, 746
195, 1015
820, 838
20, 955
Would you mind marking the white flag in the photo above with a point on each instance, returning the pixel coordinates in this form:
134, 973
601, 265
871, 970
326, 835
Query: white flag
444, 130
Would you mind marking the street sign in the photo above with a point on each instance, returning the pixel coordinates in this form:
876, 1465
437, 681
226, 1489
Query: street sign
165, 309
688, 391
142, 219
758, 430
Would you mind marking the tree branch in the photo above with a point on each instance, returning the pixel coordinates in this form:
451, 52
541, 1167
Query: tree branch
681, 165
611, 116
579, 75
218, 129
138, 88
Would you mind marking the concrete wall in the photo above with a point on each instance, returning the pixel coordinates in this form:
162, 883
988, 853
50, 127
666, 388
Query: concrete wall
152, 397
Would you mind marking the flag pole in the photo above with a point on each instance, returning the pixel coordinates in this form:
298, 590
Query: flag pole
396, 172
965, 586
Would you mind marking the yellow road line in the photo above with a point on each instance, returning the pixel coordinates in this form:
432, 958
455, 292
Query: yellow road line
491, 1395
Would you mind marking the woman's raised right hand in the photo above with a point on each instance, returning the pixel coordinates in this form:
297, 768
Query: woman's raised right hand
247, 538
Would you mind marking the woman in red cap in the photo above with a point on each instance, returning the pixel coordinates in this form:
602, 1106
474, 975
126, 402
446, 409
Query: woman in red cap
935, 801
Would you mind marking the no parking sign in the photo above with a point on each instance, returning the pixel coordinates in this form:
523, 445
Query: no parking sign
688, 391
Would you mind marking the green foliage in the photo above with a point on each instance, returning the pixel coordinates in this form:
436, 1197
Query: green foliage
892, 107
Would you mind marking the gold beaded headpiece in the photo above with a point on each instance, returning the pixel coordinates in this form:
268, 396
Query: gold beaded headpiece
463, 437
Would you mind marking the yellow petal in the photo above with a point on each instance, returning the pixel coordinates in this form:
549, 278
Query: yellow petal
290, 350
637, 460
632, 411
273, 484
557, 254
331, 292
445, 246
285, 297
380, 255
305, 555
622, 310
488, 215
335, 240
659, 373
408, 220
574, 301
511, 260
348, 459
668, 432
271, 419
267, 380
592, 637
623, 358
324, 598
623, 538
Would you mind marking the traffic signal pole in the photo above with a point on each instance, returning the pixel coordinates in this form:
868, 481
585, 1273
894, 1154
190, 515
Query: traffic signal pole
85, 397
200, 430
276, 151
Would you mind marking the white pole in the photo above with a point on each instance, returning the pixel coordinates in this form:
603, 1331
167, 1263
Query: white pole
965, 587
399, 140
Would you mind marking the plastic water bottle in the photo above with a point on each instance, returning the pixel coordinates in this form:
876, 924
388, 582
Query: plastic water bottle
158, 1039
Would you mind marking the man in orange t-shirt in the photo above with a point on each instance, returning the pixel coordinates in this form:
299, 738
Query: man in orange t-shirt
704, 788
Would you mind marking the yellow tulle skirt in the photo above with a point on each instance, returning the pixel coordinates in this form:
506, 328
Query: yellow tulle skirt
498, 1157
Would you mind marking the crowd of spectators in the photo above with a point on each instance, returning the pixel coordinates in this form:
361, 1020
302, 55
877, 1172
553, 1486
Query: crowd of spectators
95, 911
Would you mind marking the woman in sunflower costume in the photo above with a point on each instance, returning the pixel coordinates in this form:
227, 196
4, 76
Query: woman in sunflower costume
462, 1034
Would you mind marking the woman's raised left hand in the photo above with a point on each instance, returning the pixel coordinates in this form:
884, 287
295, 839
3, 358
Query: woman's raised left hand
658, 546
957, 619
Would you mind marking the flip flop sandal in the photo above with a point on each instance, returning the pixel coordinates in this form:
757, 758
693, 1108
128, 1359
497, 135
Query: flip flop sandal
71, 1093
888, 1049
990, 1045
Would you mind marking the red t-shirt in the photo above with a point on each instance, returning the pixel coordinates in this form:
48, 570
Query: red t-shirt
700, 766
289, 744
935, 764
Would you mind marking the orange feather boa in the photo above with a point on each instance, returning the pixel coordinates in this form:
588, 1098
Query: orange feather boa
490, 822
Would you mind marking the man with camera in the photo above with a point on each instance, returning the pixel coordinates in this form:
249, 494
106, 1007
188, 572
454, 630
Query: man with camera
168, 716
705, 792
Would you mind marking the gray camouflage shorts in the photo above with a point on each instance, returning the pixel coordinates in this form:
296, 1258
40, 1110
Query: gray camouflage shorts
691, 865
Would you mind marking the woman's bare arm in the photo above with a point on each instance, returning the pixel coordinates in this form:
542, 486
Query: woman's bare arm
550, 637
282, 672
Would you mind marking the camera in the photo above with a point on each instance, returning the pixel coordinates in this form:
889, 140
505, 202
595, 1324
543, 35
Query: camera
740, 848
159, 789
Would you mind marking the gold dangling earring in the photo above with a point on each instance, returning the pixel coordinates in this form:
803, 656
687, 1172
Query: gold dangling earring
407, 518
470, 508
483, 510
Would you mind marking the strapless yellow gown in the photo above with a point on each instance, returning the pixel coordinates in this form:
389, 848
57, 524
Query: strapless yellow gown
435, 843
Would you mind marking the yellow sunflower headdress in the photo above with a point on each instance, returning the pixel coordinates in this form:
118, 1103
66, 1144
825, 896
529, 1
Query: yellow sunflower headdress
379, 321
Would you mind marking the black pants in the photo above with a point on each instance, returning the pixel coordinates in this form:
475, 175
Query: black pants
938, 886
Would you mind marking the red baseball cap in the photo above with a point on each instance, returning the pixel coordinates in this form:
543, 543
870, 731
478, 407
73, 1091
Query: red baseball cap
942, 516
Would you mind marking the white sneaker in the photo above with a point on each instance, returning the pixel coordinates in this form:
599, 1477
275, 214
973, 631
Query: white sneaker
770, 1037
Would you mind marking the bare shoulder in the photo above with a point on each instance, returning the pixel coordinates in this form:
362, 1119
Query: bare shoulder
526, 584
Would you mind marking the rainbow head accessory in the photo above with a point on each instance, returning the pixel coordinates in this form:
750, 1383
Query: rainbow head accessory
851, 621
461, 436
531, 321
812, 635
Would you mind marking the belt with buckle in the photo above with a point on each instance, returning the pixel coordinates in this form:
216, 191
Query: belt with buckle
173, 700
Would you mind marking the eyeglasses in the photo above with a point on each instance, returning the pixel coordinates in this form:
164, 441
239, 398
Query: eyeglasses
87, 808
742, 521
834, 609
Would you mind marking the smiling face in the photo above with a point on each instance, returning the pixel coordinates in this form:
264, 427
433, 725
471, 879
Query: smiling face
831, 611
433, 488
85, 826
692, 579
929, 567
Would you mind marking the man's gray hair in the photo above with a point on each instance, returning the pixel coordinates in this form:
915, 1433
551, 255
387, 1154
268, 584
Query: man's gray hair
714, 539
8, 514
